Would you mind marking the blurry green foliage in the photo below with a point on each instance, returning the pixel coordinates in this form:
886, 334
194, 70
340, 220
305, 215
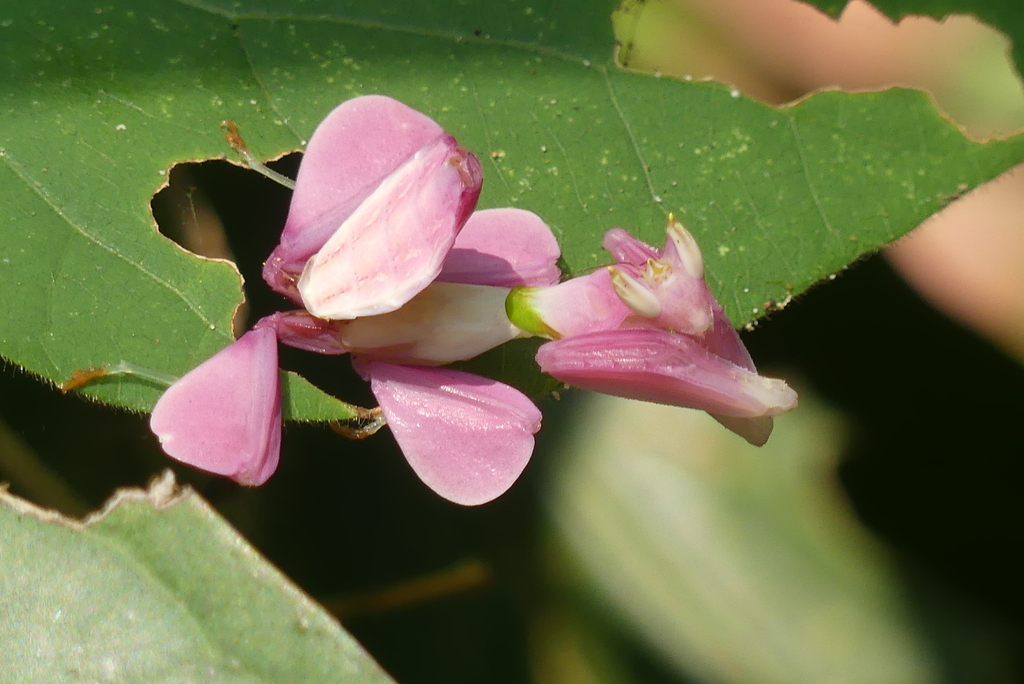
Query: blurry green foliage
736, 563
158, 588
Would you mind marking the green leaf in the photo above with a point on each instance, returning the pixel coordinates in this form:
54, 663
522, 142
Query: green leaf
157, 588
1004, 15
99, 102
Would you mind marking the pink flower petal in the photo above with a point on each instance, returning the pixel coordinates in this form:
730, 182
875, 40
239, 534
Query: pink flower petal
687, 305
395, 243
663, 367
674, 274
351, 152
581, 305
677, 279
504, 248
224, 416
626, 249
467, 437
723, 340
720, 338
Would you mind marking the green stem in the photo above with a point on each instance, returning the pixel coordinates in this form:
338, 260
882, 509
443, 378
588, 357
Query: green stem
125, 368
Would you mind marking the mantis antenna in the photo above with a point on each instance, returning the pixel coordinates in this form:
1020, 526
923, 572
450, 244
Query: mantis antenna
234, 139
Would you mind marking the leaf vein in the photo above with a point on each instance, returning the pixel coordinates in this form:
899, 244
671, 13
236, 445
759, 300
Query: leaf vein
572, 170
783, 256
259, 81
143, 112
450, 36
807, 175
49, 201
490, 143
632, 137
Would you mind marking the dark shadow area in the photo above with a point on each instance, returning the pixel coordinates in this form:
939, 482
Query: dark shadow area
936, 466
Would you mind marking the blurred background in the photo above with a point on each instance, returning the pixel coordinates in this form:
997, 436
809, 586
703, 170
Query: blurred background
876, 538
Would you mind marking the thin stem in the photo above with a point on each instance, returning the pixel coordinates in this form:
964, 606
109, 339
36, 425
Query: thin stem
465, 576
125, 368
234, 139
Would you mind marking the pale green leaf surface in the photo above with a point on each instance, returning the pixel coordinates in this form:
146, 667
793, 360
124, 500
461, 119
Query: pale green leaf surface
159, 589
96, 106
735, 563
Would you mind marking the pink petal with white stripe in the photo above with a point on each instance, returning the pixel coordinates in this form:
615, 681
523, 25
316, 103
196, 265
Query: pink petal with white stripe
467, 437
224, 416
504, 248
395, 243
359, 144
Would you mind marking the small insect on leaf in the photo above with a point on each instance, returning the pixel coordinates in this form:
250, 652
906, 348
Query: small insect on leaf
80, 378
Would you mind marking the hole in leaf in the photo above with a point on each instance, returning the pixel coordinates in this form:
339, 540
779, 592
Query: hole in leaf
777, 51
219, 210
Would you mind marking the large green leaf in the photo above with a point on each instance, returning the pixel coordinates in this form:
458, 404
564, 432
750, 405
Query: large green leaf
1005, 15
98, 102
157, 589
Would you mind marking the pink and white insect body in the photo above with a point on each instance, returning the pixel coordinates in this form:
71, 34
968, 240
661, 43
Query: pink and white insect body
382, 249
